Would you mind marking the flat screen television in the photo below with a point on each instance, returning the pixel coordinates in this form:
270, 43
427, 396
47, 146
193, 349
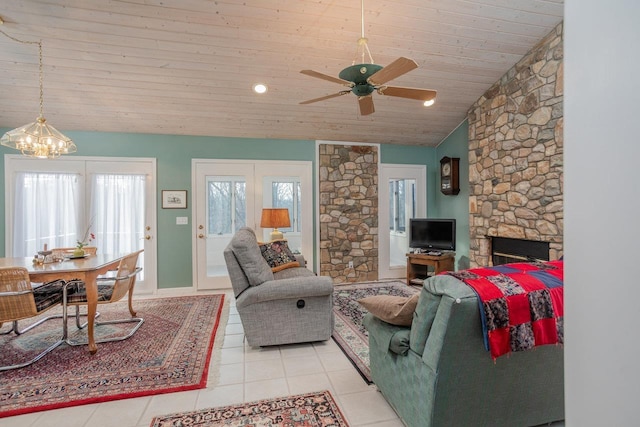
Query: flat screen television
432, 233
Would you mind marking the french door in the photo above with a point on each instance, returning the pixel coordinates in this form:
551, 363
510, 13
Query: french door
230, 194
223, 203
107, 202
404, 188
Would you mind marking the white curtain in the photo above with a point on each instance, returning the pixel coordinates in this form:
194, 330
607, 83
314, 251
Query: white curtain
47, 211
117, 212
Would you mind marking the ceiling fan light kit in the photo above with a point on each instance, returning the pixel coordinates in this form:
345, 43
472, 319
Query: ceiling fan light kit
365, 78
359, 74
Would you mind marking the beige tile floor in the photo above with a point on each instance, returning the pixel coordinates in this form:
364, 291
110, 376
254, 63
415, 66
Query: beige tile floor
240, 373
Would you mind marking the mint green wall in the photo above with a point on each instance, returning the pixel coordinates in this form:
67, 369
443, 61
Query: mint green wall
439, 205
415, 155
173, 158
455, 145
173, 155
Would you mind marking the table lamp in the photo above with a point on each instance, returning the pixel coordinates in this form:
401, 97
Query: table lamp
274, 218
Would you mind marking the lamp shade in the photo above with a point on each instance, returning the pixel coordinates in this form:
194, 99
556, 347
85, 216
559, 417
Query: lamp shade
275, 217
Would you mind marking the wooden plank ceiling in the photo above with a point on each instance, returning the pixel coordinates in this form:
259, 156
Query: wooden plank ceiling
187, 67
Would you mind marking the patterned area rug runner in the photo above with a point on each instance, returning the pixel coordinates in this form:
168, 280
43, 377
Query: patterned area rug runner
302, 410
349, 333
170, 352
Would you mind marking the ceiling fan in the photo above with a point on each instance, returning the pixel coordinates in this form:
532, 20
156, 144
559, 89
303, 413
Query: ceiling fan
365, 78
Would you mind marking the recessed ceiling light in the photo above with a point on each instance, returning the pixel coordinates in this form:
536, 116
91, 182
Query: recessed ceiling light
429, 103
260, 88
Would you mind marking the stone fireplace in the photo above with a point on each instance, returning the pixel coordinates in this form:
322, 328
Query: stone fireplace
516, 155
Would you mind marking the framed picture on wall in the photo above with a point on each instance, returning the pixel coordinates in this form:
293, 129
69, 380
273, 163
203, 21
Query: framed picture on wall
174, 199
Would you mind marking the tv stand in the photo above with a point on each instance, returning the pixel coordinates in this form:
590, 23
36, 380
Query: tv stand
418, 266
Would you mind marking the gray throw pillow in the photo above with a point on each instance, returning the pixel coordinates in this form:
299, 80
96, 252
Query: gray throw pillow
245, 247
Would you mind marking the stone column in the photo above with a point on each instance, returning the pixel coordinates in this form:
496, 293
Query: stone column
348, 184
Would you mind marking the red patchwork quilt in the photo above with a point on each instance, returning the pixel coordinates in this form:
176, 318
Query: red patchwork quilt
521, 304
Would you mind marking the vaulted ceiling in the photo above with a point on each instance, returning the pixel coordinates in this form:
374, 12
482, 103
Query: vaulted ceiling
187, 67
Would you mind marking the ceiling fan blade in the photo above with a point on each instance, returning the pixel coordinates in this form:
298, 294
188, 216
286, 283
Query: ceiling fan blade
326, 77
408, 92
397, 68
322, 98
366, 105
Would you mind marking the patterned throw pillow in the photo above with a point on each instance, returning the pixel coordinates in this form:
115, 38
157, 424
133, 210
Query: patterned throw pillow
278, 255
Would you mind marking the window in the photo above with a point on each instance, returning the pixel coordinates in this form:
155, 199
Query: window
46, 211
56, 202
227, 205
286, 194
401, 204
117, 214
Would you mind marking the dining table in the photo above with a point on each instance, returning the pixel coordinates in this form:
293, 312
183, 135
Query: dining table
86, 268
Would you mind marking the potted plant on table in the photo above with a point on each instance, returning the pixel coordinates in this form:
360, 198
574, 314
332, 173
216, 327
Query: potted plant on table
86, 240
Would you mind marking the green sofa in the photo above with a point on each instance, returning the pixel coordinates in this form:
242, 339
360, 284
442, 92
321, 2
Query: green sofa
437, 373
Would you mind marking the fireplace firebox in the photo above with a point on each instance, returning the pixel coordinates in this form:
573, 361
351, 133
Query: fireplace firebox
506, 250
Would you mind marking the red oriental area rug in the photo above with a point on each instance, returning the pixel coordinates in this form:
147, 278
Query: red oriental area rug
302, 410
169, 353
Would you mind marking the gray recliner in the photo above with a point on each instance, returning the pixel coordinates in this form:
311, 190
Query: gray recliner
289, 306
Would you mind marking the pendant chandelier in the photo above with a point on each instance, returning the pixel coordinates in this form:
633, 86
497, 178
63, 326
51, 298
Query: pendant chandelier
38, 139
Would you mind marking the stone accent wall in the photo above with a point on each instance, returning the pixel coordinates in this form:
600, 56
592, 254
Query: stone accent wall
348, 185
515, 154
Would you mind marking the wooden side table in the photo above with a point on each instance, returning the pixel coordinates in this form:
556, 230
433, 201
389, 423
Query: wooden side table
417, 265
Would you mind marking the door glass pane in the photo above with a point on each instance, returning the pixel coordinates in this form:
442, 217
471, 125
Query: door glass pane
282, 197
219, 203
57, 225
240, 205
226, 205
286, 193
401, 203
117, 217
392, 208
401, 209
226, 213
297, 221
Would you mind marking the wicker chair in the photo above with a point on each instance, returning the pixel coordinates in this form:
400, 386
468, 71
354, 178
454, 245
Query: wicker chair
89, 250
20, 300
110, 289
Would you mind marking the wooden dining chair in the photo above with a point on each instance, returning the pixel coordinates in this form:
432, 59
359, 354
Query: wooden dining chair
20, 300
110, 289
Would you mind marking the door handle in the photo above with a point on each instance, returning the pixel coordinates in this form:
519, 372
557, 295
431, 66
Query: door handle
147, 237
201, 236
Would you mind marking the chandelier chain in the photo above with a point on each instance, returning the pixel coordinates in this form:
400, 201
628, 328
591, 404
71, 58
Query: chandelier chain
40, 78
40, 68
38, 139
20, 41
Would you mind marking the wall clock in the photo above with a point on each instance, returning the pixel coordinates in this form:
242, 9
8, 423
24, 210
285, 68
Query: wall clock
450, 175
